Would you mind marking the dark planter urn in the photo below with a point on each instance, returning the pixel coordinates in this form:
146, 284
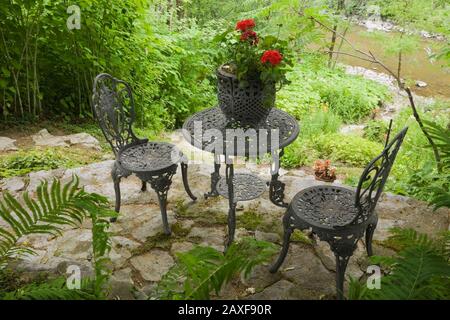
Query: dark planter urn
247, 102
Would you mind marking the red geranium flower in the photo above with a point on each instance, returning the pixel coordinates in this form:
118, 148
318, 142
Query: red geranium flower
250, 35
272, 56
246, 24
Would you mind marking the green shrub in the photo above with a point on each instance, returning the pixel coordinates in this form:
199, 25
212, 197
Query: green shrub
321, 122
347, 149
375, 130
414, 172
315, 87
34, 160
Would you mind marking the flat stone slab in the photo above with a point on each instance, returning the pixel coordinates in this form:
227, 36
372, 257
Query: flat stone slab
153, 265
7, 144
44, 139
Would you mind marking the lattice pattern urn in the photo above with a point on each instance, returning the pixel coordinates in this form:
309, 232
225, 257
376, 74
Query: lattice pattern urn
248, 102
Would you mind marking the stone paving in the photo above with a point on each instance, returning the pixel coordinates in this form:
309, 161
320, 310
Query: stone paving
141, 256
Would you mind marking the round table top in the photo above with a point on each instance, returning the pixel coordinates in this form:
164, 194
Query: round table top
204, 130
149, 156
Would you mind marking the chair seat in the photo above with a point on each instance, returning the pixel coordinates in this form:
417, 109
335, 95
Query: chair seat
325, 206
149, 156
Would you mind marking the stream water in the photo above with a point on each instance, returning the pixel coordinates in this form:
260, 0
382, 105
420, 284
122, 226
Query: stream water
416, 65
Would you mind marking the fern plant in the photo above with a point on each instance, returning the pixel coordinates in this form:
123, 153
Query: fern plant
56, 206
203, 270
421, 270
441, 194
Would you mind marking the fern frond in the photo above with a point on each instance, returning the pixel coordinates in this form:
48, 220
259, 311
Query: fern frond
204, 270
54, 208
57, 206
420, 271
53, 290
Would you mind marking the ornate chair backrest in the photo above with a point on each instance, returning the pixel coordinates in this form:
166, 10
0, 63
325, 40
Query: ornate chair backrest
113, 107
374, 176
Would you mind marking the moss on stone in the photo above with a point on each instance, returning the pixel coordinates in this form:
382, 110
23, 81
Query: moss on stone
200, 213
250, 220
299, 236
162, 240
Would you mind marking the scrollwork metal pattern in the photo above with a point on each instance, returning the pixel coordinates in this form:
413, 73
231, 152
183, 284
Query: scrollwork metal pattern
149, 156
374, 178
210, 119
245, 186
325, 206
113, 107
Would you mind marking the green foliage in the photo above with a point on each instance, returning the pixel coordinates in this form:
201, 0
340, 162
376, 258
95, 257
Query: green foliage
375, 130
315, 124
347, 149
47, 69
421, 270
204, 269
35, 160
417, 14
52, 290
244, 50
56, 206
314, 87
414, 172
321, 122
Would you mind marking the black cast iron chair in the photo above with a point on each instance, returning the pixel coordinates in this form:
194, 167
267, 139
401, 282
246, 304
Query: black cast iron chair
153, 162
341, 216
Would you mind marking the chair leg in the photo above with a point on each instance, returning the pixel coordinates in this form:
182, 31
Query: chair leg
161, 184
343, 249
286, 239
144, 186
162, 198
116, 180
341, 266
231, 224
369, 236
215, 177
184, 171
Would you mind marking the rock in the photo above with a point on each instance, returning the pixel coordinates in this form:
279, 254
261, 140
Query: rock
13, 185
120, 290
267, 236
411, 213
280, 290
214, 237
7, 144
37, 177
85, 140
261, 278
75, 244
303, 268
121, 250
123, 275
181, 247
44, 138
421, 84
384, 225
327, 257
153, 265
151, 224
241, 233
65, 268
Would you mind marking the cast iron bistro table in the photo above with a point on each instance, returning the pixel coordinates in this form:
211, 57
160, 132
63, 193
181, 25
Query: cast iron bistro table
204, 130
